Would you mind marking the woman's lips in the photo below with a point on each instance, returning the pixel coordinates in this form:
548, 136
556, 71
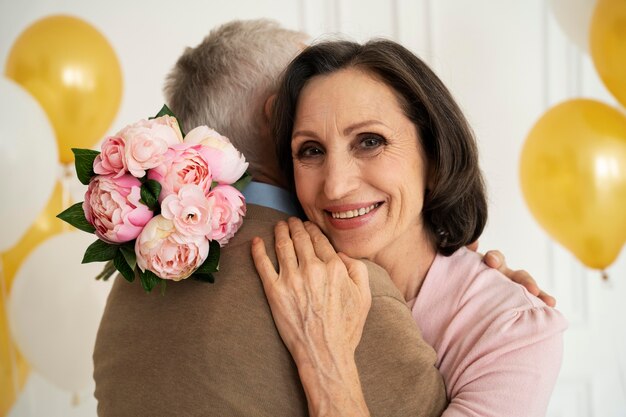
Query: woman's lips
351, 216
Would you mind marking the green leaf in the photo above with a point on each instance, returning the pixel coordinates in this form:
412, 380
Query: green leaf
204, 277
165, 111
83, 161
149, 280
107, 271
100, 251
150, 191
212, 262
121, 265
75, 216
163, 285
243, 182
128, 251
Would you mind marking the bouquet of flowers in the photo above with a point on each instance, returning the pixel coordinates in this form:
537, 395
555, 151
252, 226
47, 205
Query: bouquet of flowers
161, 203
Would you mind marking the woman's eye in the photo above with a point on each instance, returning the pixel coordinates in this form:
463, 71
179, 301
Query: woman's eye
310, 151
369, 142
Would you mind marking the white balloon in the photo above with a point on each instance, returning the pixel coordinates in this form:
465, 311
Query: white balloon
28, 161
574, 17
54, 309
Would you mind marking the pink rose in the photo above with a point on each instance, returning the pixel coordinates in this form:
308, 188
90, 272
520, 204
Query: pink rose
112, 206
189, 210
170, 255
183, 164
227, 163
228, 209
147, 141
111, 160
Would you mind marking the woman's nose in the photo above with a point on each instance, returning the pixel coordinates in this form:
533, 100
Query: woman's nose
341, 177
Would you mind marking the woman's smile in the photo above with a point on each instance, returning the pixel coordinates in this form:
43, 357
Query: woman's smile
351, 216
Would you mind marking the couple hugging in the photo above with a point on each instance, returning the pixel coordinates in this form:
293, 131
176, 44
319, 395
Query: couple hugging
350, 289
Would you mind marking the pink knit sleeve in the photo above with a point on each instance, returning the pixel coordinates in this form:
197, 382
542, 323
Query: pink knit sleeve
512, 369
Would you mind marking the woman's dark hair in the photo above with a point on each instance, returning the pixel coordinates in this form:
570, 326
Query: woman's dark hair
455, 207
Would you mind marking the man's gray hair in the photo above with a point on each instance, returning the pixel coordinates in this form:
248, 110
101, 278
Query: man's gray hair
224, 81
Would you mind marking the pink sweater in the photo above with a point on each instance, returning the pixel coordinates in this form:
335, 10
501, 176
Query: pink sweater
498, 347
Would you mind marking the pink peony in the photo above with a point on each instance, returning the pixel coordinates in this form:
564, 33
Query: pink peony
189, 210
183, 164
228, 208
112, 159
112, 206
170, 255
147, 141
227, 163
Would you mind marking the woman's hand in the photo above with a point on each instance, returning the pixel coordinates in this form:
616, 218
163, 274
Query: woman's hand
319, 300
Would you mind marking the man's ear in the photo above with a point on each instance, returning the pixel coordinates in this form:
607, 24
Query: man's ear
269, 106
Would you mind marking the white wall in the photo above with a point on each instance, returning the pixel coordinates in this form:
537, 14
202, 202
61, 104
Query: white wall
506, 61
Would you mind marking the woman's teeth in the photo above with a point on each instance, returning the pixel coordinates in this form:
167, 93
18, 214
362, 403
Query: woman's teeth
353, 213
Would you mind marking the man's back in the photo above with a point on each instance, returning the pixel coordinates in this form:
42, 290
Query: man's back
212, 349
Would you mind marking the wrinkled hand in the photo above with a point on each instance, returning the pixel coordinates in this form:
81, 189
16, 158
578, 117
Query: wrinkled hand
495, 259
319, 299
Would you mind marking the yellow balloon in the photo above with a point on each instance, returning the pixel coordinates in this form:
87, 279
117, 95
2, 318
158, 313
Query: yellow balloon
573, 177
13, 367
608, 45
71, 69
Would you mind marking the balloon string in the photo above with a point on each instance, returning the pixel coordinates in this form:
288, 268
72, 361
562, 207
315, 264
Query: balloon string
604, 275
10, 347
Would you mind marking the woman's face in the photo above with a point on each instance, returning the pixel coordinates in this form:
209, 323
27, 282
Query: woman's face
359, 170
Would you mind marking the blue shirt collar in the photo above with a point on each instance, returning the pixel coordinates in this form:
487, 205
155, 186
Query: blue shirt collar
270, 196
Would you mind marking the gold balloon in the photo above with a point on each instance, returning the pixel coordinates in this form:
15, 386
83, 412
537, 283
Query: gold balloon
14, 369
71, 69
573, 177
608, 45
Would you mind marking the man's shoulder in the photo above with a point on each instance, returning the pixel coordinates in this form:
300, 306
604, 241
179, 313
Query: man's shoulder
259, 221
381, 284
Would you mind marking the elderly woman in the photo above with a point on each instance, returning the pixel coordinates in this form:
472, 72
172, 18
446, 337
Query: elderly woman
385, 165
